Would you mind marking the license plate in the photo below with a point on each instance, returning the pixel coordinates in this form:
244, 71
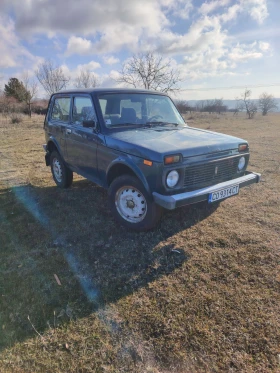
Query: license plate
223, 193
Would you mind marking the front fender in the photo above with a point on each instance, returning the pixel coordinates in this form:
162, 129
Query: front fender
128, 162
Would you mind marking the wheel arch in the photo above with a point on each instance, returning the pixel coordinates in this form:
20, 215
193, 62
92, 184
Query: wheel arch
53, 145
124, 167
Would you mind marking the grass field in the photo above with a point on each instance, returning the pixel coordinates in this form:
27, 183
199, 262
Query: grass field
198, 294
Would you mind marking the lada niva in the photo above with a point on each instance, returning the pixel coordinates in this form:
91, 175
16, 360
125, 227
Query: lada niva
136, 144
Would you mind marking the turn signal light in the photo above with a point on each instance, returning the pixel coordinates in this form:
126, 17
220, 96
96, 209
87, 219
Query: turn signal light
147, 163
242, 147
169, 159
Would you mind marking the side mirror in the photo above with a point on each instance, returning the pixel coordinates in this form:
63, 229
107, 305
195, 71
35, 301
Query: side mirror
88, 123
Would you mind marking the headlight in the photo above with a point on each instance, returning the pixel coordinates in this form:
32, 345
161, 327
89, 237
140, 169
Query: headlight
241, 163
172, 178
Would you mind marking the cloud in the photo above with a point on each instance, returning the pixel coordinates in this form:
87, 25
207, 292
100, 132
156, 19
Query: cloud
209, 7
108, 26
177, 8
264, 46
104, 80
257, 9
109, 80
112, 40
105, 27
221, 61
204, 33
231, 13
85, 17
110, 60
77, 45
207, 47
75, 72
258, 33
92, 65
116, 38
13, 53
244, 53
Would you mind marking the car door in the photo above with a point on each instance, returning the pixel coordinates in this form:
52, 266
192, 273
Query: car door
82, 141
59, 120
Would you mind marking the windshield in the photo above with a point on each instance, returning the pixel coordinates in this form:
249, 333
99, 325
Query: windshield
138, 109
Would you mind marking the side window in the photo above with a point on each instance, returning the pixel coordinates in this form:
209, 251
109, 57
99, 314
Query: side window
83, 110
61, 109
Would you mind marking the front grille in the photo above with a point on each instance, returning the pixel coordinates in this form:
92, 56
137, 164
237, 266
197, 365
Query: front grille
203, 175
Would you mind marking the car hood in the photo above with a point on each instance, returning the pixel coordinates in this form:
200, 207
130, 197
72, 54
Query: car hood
154, 143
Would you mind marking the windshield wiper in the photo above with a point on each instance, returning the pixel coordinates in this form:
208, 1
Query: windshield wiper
123, 124
152, 124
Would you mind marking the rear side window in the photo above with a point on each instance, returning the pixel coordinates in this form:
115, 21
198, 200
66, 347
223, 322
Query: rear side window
61, 109
83, 110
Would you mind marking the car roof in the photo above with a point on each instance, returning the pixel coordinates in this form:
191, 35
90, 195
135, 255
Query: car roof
110, 90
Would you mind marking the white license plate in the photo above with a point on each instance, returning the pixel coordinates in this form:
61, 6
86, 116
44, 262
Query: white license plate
223, 193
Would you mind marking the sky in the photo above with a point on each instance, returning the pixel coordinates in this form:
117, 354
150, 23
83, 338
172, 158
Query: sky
216, 44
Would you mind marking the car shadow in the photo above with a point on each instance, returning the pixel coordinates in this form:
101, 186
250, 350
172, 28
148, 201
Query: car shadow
63, 256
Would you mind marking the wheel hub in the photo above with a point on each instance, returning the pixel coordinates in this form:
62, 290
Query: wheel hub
131, 204
57, 170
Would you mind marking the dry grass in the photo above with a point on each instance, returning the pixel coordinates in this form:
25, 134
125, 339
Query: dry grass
198, 294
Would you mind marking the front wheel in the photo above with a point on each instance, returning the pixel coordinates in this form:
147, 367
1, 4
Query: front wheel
62, 175
131, 205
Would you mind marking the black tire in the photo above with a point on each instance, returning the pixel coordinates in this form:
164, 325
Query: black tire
66, 175
127, 185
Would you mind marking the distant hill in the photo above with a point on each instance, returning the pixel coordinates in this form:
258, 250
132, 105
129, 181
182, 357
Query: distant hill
231, 103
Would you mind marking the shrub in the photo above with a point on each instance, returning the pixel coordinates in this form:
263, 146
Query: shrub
16, 118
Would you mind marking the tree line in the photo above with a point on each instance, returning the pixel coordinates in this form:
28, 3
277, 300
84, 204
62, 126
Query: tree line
20, 95
265, 104
210, 106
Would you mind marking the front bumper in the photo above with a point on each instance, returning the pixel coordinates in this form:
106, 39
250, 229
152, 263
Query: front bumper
187, 198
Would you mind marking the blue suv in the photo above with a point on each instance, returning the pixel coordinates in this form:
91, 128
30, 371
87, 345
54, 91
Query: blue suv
136, 144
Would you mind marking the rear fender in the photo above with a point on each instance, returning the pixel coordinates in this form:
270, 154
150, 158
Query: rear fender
51, 146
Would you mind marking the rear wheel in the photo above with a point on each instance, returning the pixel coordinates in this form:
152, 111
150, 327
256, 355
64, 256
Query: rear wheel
131, 205
62, 175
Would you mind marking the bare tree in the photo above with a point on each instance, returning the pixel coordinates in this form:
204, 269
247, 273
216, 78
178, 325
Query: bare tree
200, 105
182, 106
31, 88
219, 105
246, 104
267, 103
51, 77
236, 108
209, 106
150, 71
85, 79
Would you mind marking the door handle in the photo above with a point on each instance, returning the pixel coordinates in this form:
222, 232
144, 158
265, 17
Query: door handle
68, 131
